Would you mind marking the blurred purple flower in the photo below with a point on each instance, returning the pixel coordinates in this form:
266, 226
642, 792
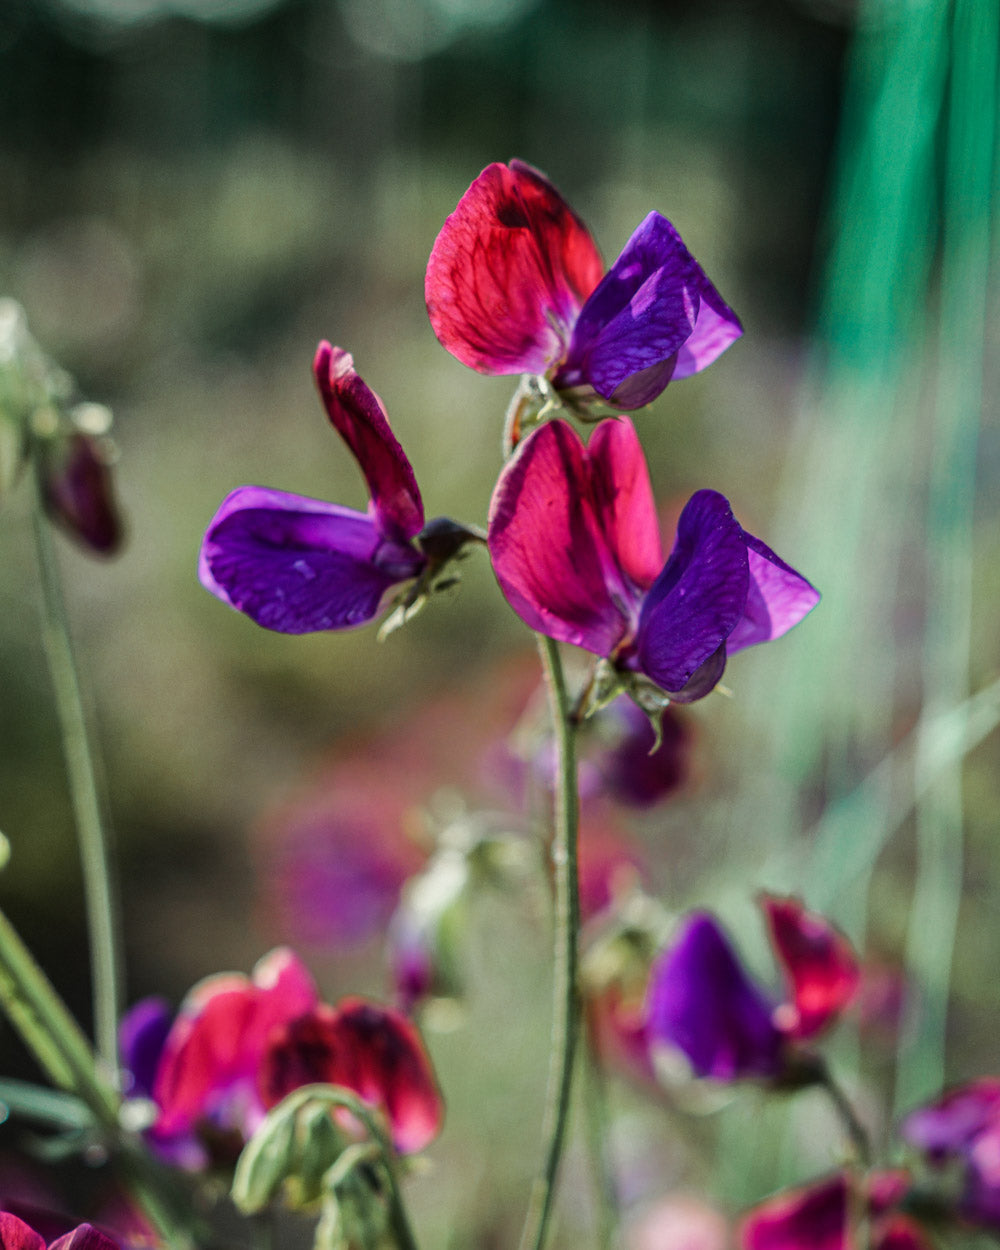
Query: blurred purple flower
632, 771
141, 1036
964, 1126
297, 565
575, 544
514, 285
78, 489
701, 1001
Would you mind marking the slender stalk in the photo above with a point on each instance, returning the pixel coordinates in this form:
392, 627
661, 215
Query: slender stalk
566, 1004
855, 1130
99, 890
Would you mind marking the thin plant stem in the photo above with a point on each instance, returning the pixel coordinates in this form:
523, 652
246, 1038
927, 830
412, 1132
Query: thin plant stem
844, 1108
63, 1052
98, 882
566, 996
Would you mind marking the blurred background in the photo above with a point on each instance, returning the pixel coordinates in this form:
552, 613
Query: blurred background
194, 192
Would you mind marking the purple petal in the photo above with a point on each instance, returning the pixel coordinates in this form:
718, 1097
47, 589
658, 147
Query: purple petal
141, 1035
358, 415
699, 597
947, 1126
297, 565
981, 1195
716, 328
701, 1002
648, 306
777, 598
548, 554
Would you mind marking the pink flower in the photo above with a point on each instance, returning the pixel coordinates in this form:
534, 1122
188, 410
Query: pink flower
515, 284
15, 1234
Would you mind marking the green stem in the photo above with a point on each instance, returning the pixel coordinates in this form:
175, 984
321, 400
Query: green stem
63, 1052
566, 1005
99, 892
855, 1130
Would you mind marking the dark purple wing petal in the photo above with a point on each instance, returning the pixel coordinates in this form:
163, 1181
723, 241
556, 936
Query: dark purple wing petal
297, 565
358, 415
548, 555
777, 598
508, 273
701, 1002
716, 327
647, 310
699, 597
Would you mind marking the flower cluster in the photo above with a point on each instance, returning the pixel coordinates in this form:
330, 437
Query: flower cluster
239, 1045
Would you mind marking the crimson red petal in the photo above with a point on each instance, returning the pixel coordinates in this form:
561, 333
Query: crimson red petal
509, 273
373, 1051
814, 1217
358, 416
818, 961
16, 1235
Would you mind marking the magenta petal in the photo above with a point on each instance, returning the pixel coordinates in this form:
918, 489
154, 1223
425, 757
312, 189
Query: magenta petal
818, 961
358, 415
623, 503
373, 1051
219, 1038
716, 327
777, 598
297, 565
509, 272
16, 1235
699, 597
814, 1217
548, 553
84, 1237
702, 1002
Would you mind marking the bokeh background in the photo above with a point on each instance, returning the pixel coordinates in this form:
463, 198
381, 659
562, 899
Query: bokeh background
194, 192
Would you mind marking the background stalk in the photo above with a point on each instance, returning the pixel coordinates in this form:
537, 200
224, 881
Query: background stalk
98, 883
566, 995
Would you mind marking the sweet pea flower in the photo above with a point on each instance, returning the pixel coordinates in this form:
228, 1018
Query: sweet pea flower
701, 1001
239, 1044
826, 1215
963, 1126
515, 284
297, 565
15, 1234
575, 544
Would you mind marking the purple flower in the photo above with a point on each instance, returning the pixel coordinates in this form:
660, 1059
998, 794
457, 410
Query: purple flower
964, 1125
142, 1034
514, 285
297, 565
575, 544
701, 1002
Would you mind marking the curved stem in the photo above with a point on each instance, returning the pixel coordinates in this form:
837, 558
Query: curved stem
100, 895
566, 1005
855, 1130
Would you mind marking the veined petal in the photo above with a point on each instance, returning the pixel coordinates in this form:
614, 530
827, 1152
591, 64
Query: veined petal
548, 553
818, 961
699, 597
359, 416
777, 598
716, 327
84, 1237
648, 306
297, 565
16, 1235
373, 1051
509, 272
623, 501
220, 1035
701, 1001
